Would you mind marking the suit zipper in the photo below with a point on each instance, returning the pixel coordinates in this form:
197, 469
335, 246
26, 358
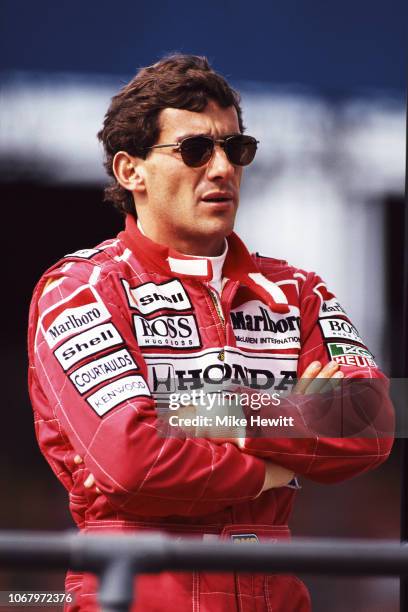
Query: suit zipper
221, 356
218, 308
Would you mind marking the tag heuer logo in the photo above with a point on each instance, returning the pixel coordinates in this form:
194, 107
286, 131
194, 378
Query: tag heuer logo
352, 355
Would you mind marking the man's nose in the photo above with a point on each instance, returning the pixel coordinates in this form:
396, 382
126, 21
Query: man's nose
219, 165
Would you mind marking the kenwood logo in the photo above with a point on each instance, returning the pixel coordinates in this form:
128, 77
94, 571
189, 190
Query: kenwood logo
177, 332
150, 297
88, 343
115, 393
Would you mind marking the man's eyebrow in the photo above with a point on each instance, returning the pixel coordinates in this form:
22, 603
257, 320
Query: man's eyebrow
191, 134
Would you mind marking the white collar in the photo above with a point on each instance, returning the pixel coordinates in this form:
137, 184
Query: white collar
217, 261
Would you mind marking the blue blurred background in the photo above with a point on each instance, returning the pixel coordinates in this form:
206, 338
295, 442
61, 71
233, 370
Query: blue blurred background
324, 88
335, 47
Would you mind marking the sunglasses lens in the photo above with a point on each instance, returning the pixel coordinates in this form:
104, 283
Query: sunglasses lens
196, 151
241, 149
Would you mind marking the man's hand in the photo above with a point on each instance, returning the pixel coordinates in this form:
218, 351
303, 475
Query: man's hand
316, 379
276, 476
90, 480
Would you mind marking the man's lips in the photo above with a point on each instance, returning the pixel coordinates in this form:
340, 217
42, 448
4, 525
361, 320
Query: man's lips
218, 197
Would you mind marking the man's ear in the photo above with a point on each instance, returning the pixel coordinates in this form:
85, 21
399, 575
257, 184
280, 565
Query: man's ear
129, 172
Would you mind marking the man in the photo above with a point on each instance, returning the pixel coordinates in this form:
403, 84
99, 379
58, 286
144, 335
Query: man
176, 303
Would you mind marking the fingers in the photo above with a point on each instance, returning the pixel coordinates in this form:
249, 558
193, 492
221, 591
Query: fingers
276, 476
318, 379
322, 379
90, 479
308, 375
239, 442
90, 482
328, 370
326, 384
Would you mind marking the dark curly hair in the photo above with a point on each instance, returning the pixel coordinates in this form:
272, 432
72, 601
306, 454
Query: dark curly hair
132, 120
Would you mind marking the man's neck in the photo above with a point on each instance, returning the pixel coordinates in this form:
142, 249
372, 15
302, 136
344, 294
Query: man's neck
206, 250
217, 262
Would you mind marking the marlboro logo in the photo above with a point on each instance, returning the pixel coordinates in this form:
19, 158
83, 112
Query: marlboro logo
76, 313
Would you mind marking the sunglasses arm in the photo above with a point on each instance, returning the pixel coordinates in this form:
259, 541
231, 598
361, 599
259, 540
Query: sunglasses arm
162, 146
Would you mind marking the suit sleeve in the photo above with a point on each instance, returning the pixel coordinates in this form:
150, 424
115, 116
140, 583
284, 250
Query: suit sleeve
341, 433
88, 376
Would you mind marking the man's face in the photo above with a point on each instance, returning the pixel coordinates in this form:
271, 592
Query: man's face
177, 208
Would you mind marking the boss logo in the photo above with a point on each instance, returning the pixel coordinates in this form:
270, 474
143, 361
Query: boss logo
339, 328
178, 332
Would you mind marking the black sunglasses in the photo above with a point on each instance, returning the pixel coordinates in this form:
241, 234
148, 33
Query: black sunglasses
197, 150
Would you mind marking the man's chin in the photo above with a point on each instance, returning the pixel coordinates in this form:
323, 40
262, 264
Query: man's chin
220, 226
218, 220
207, 237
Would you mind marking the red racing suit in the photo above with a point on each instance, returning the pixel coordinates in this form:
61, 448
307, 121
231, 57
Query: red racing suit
113, 327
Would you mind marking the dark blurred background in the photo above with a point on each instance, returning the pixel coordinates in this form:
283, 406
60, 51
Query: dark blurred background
323, 89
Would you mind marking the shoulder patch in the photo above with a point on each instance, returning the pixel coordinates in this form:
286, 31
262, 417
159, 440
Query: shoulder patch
330, 306
149, 297
351, 354
75, 313
118, 392
83, 253
336, 328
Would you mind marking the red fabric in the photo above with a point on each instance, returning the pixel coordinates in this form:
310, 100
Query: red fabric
177, 484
